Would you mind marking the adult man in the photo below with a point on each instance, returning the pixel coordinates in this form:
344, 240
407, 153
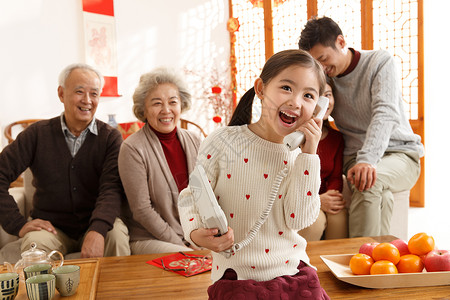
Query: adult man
73, 159
381, 153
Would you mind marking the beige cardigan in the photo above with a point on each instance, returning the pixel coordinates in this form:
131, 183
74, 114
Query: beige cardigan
149, 185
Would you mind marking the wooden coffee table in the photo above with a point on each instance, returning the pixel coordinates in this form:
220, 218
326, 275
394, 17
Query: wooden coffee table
132, 278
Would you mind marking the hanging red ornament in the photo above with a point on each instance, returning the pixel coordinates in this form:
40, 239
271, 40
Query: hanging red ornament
217, 119
216, 90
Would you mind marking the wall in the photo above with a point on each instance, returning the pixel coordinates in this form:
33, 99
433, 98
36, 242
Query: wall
41, 37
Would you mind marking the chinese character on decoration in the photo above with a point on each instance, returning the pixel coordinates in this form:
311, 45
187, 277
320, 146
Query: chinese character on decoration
260, 3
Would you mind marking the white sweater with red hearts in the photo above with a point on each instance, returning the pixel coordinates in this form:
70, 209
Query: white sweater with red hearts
241, 167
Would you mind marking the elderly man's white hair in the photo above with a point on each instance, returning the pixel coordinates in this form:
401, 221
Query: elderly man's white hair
67, 70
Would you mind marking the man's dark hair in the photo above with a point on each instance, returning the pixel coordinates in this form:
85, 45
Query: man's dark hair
322, 31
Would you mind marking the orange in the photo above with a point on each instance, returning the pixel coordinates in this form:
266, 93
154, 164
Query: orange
421, 243
386, 251
383, 267
360, 264
410, 263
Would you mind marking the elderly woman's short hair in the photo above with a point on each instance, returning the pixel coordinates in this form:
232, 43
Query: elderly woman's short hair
149, 82
67, 70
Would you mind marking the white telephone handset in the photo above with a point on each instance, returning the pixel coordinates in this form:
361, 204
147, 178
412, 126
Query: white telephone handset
295, 139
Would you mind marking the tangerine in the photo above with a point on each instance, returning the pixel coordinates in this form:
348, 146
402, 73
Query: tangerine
383, 267
360, 264
410, 263
386, 251
421, 243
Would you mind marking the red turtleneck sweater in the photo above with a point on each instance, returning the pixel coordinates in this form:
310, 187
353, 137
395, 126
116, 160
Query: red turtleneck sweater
175, 157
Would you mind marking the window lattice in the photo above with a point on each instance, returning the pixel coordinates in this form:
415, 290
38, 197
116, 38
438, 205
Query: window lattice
288, 21
395, 25
249, 49
347, 14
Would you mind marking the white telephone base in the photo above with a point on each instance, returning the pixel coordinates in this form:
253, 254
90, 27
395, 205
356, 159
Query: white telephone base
210, 212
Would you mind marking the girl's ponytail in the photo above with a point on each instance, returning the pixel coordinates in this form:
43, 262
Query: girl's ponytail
243, 113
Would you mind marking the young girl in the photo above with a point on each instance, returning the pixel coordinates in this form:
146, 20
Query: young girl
332, 222
243, 163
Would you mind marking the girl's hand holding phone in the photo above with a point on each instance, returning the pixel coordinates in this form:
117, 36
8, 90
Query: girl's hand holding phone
206, 238
312, 130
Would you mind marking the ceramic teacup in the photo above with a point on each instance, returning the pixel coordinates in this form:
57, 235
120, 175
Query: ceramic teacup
37, 269
40, 287
67, 279
9, 285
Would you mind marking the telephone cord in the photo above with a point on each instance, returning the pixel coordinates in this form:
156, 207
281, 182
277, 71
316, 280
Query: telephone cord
263, 217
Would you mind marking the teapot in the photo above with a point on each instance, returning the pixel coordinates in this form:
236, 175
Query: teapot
35, 256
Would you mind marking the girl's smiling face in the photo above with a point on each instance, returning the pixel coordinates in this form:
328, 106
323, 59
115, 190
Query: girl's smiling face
287, 101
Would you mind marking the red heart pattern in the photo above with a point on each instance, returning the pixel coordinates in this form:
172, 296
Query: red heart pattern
191, 219
247, 196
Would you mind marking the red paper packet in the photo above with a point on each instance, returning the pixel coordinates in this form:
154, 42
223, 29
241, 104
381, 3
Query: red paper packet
183, 264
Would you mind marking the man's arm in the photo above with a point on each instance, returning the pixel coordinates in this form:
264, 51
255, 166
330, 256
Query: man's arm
93, 245
14, 159
109, 200
385, 93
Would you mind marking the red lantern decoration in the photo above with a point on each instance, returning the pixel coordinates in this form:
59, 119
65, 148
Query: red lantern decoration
217, 119
216, 90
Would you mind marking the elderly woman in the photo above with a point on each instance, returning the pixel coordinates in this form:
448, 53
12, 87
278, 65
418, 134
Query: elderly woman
155, 162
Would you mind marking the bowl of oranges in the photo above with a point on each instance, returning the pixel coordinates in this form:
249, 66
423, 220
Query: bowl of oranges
392, 265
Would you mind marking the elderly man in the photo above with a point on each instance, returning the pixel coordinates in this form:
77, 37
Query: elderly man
73, 159
381, 154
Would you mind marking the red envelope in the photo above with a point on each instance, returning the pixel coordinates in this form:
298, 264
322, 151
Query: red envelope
183, 264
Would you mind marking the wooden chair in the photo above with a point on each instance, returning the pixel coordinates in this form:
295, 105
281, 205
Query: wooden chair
184, 124
10, 136
22, 123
